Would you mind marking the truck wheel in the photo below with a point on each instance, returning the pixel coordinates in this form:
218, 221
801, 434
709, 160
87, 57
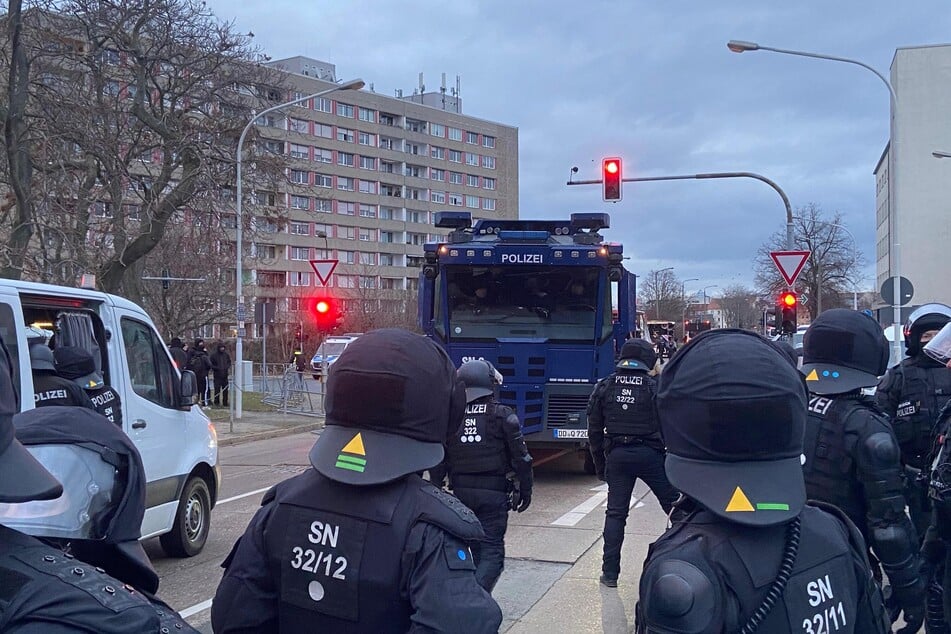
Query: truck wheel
588, 463
192, 521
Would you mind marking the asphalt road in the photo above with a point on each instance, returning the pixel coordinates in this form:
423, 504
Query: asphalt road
553, 550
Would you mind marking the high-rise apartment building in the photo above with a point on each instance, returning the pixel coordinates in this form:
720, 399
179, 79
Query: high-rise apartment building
366, 172
921, 78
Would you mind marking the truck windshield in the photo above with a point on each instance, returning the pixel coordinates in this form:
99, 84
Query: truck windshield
331, 349
551, 302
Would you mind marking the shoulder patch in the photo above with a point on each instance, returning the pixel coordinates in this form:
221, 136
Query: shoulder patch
447, 512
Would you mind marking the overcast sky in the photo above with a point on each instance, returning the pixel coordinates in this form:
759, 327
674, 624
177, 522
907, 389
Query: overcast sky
654, 83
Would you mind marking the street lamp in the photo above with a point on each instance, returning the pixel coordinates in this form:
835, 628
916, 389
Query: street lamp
657, 292
739, 46
855, 301
939, 154
705, 292
683, 299
354, 84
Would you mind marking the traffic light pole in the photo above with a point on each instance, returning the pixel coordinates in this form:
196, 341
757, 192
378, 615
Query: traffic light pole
790, 242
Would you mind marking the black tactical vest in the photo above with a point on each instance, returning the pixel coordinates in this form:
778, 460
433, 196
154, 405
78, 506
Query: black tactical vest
336, 551
822, 592
829, 466
106, 402
628, 406
478, 446
49, 389
924, 391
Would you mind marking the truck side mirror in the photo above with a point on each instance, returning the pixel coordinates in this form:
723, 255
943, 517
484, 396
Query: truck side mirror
187, 389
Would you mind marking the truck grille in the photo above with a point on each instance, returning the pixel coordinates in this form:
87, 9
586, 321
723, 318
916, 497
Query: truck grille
561, 405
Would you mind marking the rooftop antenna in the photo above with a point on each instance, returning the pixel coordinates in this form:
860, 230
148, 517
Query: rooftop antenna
442, 89
422, 87
458, 92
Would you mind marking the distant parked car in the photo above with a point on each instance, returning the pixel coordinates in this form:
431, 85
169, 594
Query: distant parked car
329, 351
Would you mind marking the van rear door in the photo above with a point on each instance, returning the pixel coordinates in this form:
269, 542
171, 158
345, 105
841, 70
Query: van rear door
153, 419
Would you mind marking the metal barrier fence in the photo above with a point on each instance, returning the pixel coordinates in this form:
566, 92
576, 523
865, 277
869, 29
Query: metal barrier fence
294, 392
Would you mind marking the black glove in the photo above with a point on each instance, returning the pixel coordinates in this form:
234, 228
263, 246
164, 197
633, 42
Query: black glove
912, 601
525, 501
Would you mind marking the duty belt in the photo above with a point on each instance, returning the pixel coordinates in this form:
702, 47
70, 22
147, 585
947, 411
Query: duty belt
627, 440
479, 481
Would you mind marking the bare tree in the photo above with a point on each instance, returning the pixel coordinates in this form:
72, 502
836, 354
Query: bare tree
660, 296
135, 109
834, 266
740, 307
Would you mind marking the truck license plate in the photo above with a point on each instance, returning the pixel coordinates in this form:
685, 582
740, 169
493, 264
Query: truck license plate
571, 433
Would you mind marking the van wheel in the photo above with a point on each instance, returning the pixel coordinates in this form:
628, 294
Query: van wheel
192, 521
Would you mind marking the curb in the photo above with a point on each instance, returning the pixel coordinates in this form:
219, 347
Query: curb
239, 439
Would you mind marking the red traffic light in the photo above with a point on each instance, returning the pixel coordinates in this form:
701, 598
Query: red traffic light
788, 299
322, 307
327, 312
611, 177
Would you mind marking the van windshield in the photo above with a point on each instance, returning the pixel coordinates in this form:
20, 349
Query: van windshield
331, 349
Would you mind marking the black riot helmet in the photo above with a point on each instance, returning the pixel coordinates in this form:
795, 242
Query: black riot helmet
843, 351
922, 319
481, 378
637, 354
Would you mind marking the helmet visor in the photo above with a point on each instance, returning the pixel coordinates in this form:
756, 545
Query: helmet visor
939, 348
82, 511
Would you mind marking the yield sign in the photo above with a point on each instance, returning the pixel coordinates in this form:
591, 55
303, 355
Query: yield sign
323, 269
790, 263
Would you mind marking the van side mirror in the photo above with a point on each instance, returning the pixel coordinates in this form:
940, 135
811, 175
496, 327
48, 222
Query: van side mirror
187, 389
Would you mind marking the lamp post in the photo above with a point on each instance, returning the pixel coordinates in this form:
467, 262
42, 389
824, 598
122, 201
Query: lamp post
705, 292
354, 84
656, 291
738, 46
683, 299
939, 154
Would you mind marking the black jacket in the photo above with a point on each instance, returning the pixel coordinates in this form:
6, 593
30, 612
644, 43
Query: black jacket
220, 362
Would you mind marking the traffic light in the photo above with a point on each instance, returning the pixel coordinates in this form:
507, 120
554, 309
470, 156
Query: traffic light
611, 177
789, 308
327, 314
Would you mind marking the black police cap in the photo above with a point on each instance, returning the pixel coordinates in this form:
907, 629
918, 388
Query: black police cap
637, 354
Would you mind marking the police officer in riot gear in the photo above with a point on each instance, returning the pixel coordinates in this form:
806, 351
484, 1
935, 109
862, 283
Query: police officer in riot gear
625, 444
752, 555
852, 457
912, 393
486, 447
44, 590
360, 542
77, 365
49, 388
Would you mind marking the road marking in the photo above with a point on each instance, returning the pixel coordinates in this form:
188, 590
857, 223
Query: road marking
243, 495
195, 609
578, 513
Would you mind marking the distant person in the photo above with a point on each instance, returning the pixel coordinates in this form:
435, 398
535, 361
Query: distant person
220, 369
752, 555
199, 363
178, 353
393, 548
49, 388
77, 364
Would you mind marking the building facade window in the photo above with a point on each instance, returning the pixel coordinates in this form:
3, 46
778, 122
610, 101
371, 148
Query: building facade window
456, 178
367, 139
386, 259
300, 253
437, 129
437, 197
367, 187
414, 148
322, 105
472, 159
472, 180
455, 200
391, 213
324, 131
455, 134
419, 217
437, 152
345, 184
300, 177
387, 236
366, 258
344, 110
416, 171
488, 141
347, 233
367, 115
455, 156
346, 208
345, 135
437, 175
300, 202
299, 278
323, 180
299, 125
299, 228
488, 162
472, 202
472, 138
488, 204
367, 163
367, 211
488, 183
346, 281
300, 151
323, 205
323, 156
346, 159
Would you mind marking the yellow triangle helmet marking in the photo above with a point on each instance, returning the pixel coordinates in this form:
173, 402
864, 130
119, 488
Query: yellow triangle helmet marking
739, 502
355, 446
812, 376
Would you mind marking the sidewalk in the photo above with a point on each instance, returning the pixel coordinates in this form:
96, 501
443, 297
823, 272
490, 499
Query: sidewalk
259, 425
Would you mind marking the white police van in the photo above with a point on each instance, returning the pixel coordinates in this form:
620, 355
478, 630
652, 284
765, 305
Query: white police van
178, 443
328, 352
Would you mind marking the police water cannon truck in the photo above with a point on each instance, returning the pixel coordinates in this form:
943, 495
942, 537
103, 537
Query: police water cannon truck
547, 302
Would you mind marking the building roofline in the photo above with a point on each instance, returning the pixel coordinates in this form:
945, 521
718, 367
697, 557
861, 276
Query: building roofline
881, 158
